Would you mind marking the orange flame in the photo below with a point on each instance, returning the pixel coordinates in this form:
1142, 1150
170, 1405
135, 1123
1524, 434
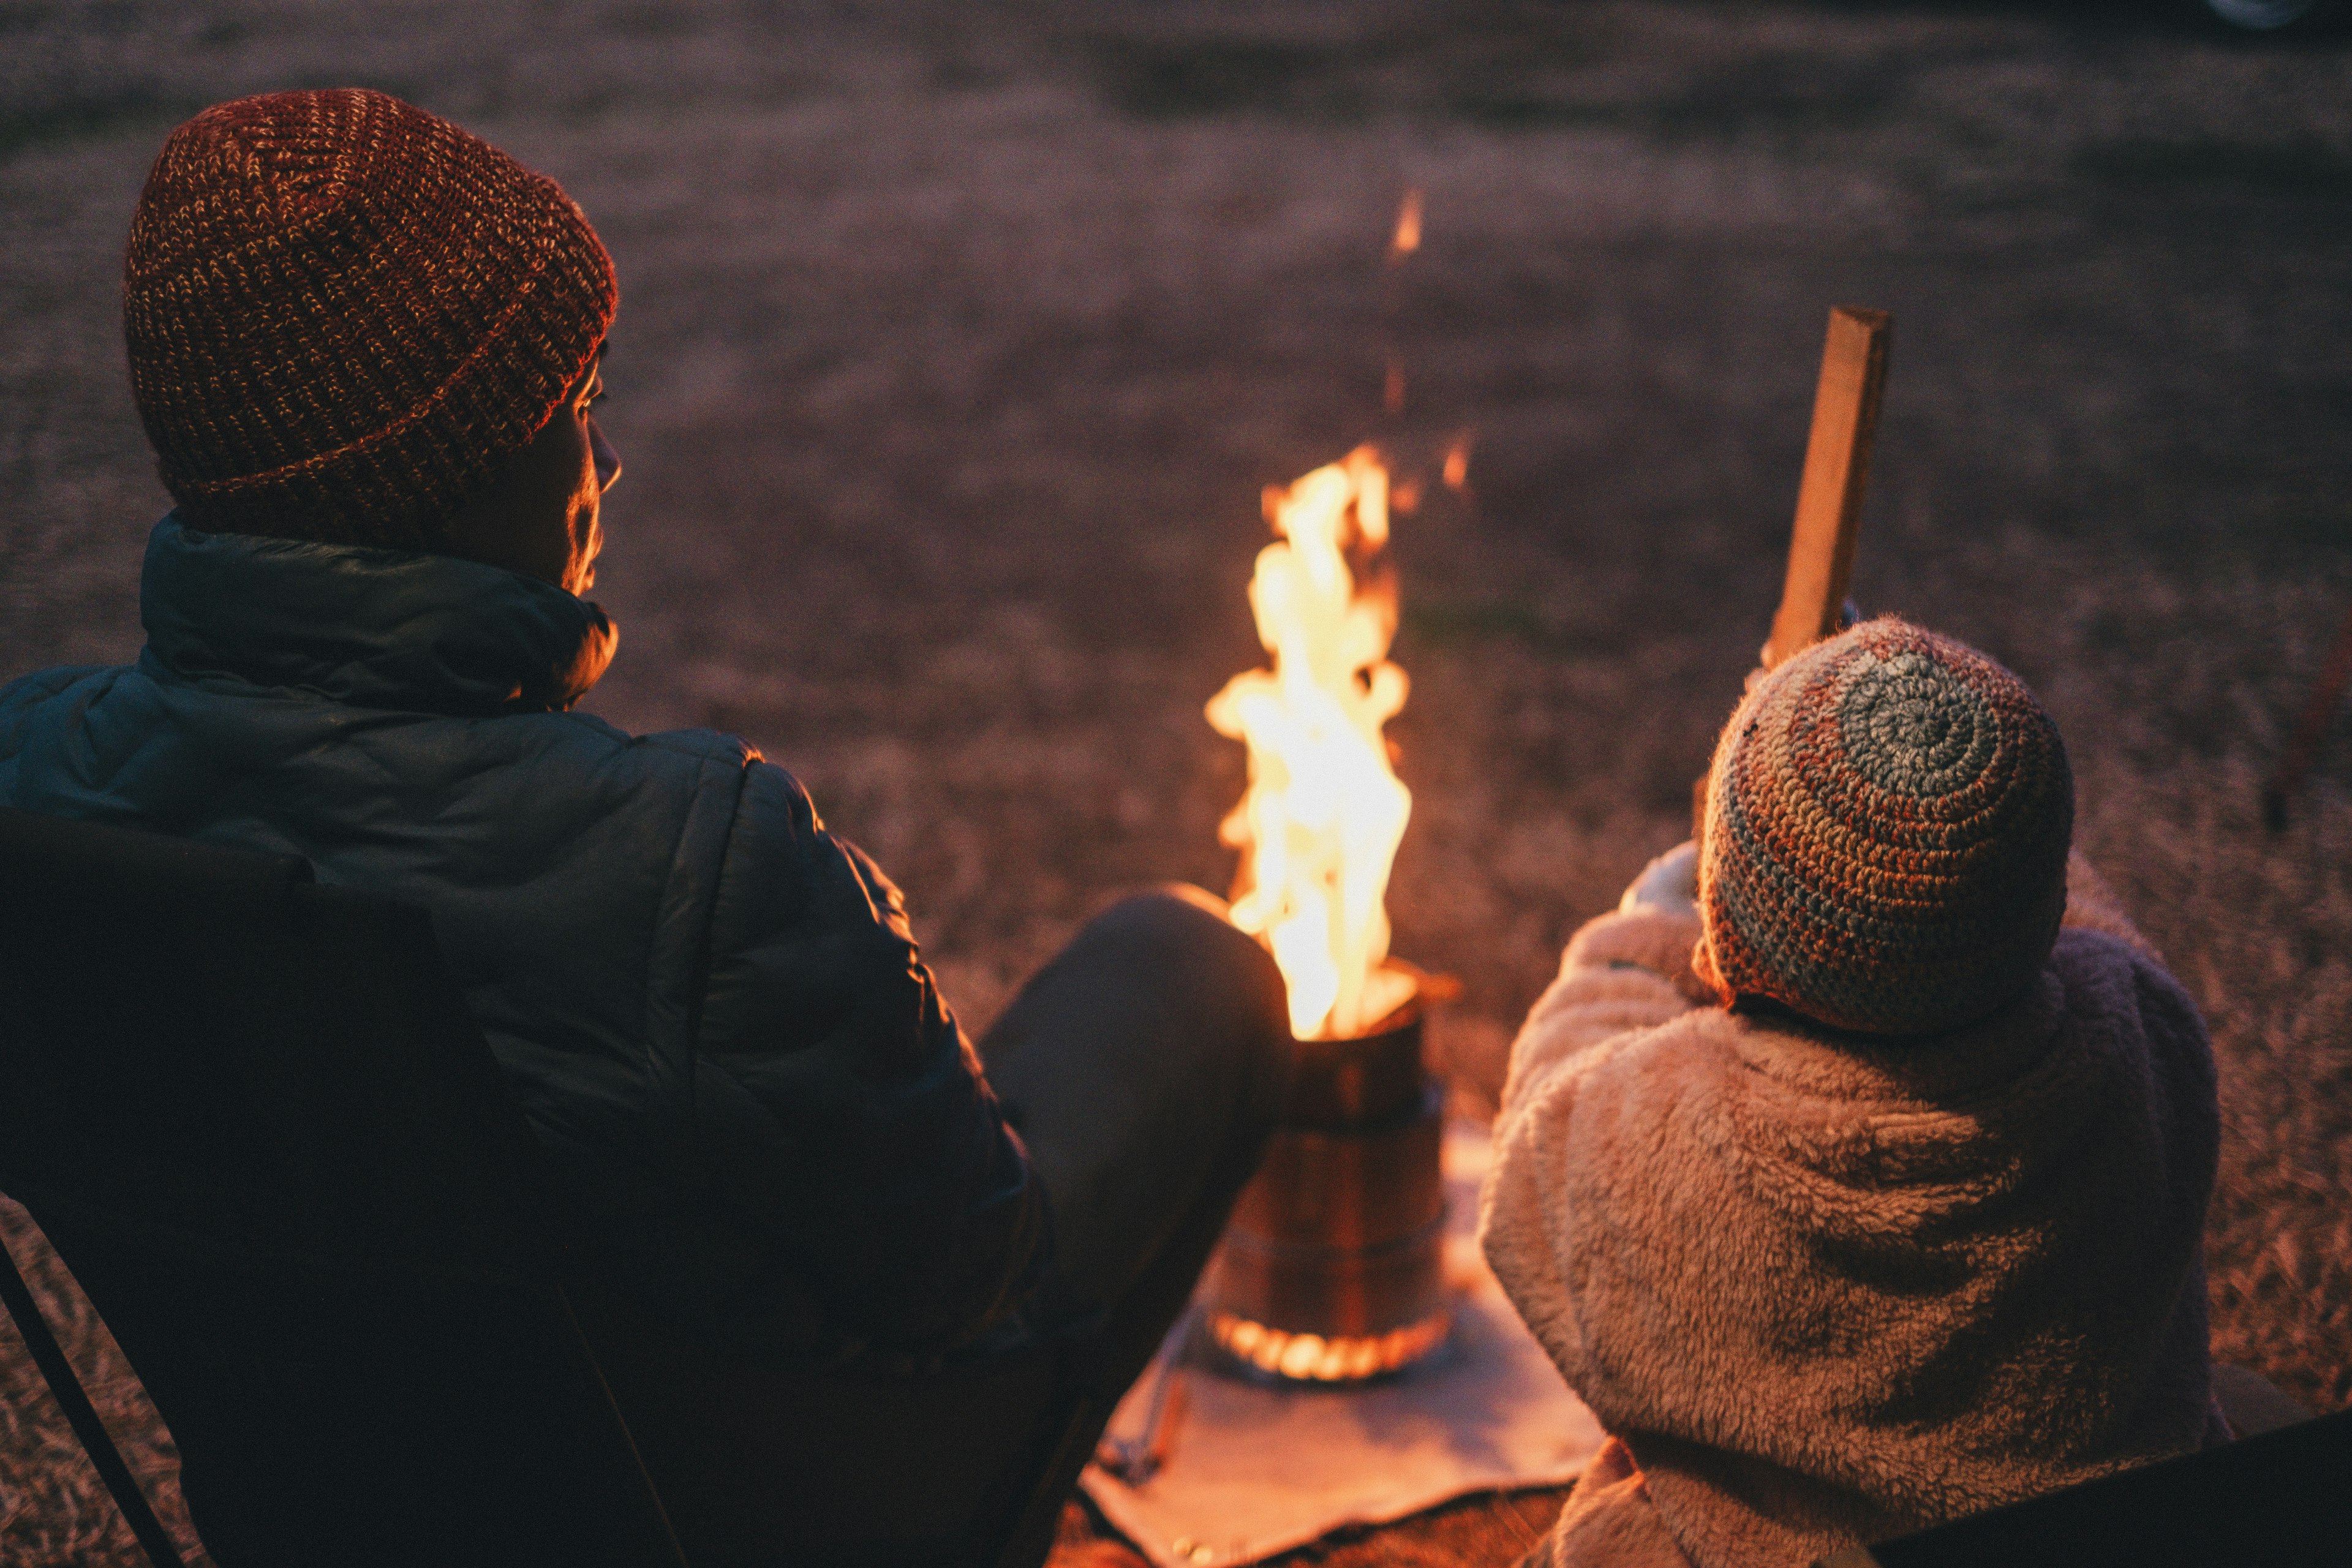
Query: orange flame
1407, 238
1321, 820
1457, 462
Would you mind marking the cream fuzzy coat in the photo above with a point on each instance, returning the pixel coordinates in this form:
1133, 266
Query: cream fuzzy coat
1831, 1287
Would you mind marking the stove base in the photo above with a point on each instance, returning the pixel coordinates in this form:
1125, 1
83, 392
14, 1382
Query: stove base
1333, 1268
1310, 1358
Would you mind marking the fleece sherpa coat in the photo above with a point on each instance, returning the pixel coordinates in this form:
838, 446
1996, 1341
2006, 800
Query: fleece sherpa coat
1831, 1287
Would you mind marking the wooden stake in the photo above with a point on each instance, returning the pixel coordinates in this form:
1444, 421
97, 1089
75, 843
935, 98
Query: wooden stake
1837, 467
1829, 497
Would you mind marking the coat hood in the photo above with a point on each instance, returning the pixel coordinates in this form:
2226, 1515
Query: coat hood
373, 628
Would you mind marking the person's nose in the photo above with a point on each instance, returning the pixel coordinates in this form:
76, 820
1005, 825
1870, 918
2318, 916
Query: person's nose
608, 461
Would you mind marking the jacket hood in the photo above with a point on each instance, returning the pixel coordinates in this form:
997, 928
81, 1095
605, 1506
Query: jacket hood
370, 627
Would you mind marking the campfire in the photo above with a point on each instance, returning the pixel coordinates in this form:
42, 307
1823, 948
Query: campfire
1324, 812
1330, 1268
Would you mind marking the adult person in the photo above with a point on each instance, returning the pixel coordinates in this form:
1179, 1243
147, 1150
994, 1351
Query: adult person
366, 349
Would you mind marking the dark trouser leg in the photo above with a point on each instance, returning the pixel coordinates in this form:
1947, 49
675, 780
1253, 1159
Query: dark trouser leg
1145, 1067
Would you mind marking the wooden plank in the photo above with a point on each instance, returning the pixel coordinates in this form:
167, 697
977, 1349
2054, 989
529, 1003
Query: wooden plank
1829, 497
1837, 470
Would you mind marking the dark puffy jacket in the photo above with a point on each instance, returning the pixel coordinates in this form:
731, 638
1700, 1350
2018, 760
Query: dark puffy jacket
709, 1009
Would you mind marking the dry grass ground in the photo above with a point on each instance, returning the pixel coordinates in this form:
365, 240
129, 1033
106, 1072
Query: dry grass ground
957, 342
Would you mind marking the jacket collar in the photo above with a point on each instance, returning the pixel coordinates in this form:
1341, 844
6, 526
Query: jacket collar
373, 629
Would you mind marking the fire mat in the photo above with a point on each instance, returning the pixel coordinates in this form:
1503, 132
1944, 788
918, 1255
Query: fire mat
1225, 1467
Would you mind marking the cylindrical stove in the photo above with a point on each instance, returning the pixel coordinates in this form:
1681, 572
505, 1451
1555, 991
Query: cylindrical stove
1332, 1266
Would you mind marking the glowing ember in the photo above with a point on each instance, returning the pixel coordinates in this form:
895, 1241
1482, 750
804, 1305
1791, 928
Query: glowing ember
1407, 238
1457, 462
1312, 1358
1321, 822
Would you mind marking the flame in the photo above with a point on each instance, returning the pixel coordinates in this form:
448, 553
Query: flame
1305, 1358
1321, 820
1457, 462
1407, 238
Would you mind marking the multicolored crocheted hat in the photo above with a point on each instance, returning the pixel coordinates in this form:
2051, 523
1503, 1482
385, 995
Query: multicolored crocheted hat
341, 311
1889, 819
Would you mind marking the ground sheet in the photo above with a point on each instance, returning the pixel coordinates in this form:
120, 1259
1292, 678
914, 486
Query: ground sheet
1253, 1468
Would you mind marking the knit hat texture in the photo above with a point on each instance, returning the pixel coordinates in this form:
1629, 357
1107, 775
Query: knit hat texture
1888, 820
342, 311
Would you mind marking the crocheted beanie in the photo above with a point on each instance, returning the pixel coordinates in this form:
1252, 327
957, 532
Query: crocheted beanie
342, 311
1888, 820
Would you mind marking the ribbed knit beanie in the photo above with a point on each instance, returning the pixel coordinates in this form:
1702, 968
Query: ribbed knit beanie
342, 311
1888, 820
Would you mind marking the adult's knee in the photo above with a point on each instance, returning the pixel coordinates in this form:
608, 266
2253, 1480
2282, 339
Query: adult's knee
1176, 942
1184, 935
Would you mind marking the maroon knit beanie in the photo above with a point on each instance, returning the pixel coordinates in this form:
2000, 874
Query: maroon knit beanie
343, 312
1888, 820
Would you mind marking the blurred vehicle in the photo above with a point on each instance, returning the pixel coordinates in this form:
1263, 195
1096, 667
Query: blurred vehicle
2277, 16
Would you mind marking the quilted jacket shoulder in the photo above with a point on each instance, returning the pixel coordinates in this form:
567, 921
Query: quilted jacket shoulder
710, 1009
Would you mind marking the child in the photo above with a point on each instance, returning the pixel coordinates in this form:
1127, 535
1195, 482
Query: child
1850, 1191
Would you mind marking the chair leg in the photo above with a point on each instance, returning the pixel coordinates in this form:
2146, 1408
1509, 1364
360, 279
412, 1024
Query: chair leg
1032, 1540
82, 1415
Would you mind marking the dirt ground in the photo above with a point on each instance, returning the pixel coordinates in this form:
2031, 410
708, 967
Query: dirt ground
957, 342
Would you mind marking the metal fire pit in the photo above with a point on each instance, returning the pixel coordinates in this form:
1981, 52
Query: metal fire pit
1332, 1266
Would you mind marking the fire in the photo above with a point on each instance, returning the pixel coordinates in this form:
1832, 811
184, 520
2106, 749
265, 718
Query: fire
1321, 821
1407, 237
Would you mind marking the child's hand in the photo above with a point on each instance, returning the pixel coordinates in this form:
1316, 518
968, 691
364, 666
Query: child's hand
1668, 882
